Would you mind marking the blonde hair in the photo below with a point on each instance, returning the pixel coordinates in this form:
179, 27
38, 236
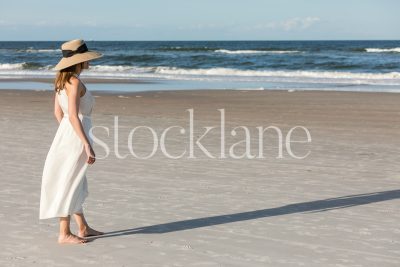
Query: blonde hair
63, 76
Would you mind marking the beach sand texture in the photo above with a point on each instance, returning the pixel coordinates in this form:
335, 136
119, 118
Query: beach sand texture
337, 207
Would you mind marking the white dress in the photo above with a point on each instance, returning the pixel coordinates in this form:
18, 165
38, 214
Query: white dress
64, 184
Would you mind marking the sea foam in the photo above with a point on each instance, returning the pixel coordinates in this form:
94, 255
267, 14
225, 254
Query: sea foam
225, 51
12, 66
212, 74
265, 73
383, 50
32, 50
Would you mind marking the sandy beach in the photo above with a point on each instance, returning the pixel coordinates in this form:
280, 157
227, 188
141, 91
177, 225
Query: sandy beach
339, 206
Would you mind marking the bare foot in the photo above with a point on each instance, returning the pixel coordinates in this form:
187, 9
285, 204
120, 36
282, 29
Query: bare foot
71, 239
89, 232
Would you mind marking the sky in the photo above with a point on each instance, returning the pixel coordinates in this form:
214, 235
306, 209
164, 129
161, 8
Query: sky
27, 20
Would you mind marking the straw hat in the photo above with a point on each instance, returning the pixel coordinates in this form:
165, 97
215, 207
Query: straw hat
75, 52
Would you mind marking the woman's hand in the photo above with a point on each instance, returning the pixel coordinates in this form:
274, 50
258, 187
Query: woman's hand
90, 153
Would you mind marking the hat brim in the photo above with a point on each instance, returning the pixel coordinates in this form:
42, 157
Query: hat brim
66, 62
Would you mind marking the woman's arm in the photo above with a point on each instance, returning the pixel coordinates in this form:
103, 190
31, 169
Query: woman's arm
58, 113
73, 109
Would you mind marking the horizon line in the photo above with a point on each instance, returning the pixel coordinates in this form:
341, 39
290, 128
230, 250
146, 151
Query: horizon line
209, 40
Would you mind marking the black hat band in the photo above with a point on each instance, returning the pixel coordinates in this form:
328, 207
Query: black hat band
69, 53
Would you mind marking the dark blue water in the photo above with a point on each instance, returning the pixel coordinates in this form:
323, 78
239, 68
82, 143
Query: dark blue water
374, 63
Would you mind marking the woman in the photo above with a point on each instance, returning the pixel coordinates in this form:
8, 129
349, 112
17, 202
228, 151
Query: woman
64, 184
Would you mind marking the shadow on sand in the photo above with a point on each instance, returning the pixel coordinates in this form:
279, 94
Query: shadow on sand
311, 206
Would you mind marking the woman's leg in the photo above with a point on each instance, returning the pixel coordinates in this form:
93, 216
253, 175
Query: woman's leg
84, 229
65, 235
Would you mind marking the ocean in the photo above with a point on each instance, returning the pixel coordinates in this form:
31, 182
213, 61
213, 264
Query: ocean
251, 65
